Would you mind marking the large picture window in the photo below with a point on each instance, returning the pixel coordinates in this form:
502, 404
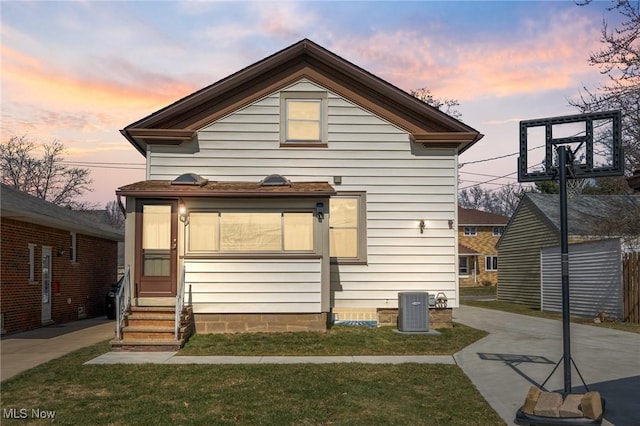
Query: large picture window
347, 225
232, 232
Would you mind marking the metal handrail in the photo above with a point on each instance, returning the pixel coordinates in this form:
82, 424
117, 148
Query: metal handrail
123, 302
179, 302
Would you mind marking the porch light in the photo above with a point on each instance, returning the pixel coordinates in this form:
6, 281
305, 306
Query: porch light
182, 213
421, 226
320, 211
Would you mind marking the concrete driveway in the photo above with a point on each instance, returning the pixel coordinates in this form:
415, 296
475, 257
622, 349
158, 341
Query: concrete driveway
521, 351
20, 352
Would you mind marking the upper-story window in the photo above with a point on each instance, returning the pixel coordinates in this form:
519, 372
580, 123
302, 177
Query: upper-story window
470, 231
303, 119
497, 231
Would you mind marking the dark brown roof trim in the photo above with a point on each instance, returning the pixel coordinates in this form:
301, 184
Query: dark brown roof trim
164, 189
304, 59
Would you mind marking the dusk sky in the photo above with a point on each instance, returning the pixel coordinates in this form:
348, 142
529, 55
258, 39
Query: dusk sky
79, 71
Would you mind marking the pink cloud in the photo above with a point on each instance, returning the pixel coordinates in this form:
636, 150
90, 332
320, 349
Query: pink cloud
549, 56
27, 79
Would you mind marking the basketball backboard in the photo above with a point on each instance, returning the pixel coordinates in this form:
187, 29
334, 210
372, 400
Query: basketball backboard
593, 139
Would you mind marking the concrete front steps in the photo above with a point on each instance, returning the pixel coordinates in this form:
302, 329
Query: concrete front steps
152, 329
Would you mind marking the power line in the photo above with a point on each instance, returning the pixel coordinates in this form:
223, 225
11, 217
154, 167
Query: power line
498, 157
94, 165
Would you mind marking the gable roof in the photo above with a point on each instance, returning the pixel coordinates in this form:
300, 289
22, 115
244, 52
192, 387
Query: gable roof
470, 217
23, 207
179, 122
585, 213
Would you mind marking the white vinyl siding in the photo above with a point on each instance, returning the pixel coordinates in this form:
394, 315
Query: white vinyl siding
403, 183
254, 285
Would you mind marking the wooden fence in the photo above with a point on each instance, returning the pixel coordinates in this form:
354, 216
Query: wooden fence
631, 287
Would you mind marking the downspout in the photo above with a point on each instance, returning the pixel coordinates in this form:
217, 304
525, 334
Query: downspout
121, 206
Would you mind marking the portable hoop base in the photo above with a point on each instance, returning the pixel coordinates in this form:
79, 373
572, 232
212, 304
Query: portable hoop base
525, 419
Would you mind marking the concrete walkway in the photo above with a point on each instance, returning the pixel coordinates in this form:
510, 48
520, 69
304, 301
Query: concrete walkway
23, 351
170, 358
521, 351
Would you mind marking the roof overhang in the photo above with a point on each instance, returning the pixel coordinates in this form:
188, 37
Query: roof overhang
164, 189
7, 212
178, 122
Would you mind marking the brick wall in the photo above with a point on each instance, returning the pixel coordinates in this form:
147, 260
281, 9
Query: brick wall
485, 244
82, 283
438, 318
259, 323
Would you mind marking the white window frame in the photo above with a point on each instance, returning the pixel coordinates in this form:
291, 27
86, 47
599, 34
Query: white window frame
321, 98
489, 261
470, 231
497, 231
32, 263
73, 247
361, 258
464, 273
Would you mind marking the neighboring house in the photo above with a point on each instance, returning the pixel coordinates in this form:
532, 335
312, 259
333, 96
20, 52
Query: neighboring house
56, 265
478, 233
299, 187
535, 226
102, 216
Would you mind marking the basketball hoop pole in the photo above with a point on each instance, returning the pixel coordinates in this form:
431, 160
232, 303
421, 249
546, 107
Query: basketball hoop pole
564, 249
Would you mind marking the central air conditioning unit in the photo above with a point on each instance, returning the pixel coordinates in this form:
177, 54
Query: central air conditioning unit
413, 311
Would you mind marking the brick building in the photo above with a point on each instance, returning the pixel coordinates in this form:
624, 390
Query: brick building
478, 233
56, 265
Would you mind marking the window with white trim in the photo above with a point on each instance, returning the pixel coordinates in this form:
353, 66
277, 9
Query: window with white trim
463, 265
32, 262
73, 255
470, 231
498, 230
491, 263
303, 118
347, 228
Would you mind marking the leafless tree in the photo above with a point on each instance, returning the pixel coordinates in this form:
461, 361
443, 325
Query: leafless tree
114, 215
448, 106
45, 177
502, 201
619, 60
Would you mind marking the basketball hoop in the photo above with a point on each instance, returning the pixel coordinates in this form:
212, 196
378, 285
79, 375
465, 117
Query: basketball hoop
577, 148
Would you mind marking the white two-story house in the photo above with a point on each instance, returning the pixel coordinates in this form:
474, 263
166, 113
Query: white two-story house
299, 190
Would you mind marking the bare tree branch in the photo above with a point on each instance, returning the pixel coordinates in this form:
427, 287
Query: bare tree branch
45, 177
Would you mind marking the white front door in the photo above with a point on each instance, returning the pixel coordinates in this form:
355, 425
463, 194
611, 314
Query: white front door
46, 284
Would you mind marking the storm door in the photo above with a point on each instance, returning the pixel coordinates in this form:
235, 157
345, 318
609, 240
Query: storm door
156, 248
46, 284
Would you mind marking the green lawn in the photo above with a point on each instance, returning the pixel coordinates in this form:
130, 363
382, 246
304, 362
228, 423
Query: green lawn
302, 394
518, 308
489, 290
338, 340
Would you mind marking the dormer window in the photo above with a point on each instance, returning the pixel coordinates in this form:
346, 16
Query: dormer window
303, 119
